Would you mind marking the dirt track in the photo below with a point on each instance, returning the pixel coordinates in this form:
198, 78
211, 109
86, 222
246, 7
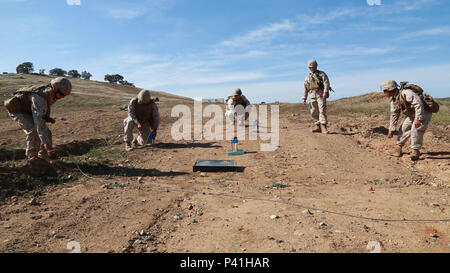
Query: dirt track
231, 212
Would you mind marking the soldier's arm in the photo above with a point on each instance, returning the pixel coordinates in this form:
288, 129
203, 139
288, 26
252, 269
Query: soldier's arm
395, 115
326, 82
416, 103
156, 117
247, 102
39, 113
305, 90
132, 110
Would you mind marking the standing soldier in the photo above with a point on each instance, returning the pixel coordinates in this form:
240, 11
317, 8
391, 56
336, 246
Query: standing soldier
143, 113
237, 99
318, 86
30, 108
417, 117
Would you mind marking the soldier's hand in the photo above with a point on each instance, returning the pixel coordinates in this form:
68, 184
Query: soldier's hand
391, 134
49, 149
139, 126
417, 123
326, 95
304, 101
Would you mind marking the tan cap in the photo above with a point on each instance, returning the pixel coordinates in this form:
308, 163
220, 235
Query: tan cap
62, 84
389, 85
312, 63
237, 92
144, 97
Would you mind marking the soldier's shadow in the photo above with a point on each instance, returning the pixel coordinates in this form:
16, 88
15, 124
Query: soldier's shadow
102, 169
185, 145
436, 155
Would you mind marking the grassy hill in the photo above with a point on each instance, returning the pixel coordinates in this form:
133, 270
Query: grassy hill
85, 94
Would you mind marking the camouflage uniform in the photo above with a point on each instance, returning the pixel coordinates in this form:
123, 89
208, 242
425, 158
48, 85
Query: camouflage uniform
149, 118
318, 106
34, 124
414, 110
231, 112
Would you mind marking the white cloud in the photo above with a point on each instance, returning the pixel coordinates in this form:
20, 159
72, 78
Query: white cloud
437, 31
125, 13
266, 33
73, 2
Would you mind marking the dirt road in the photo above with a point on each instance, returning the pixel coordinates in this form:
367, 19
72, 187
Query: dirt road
151, 201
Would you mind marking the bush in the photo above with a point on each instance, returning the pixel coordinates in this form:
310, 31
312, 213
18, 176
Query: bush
25, 68
86, 75
57, 72
74, 73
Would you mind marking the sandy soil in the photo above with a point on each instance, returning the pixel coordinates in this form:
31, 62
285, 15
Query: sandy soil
151, 201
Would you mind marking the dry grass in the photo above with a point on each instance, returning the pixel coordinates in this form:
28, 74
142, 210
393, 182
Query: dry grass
85, 94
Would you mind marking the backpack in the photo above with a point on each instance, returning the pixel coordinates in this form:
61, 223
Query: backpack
427, 100
20, 102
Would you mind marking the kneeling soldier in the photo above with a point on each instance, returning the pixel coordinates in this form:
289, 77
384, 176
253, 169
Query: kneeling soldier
143, 113
30, 108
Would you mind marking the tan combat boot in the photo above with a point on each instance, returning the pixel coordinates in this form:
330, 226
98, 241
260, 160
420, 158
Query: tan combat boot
316, 129
324, 129
128, 147
415, 154
398, 152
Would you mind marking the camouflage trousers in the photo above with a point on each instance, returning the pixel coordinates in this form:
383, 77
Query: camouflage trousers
408, 130
34, 145
318, 109
142, 138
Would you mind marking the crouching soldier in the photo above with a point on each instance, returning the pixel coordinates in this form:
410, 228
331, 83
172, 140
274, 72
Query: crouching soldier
30, 108
317, 86
142, 113
233, 111
417, 117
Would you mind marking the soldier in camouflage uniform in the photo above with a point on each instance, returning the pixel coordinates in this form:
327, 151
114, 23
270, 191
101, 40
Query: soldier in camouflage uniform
417, 117
143, 113
30, 108
232, 112
318, 86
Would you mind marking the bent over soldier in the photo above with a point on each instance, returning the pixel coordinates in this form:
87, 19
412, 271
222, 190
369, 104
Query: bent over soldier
30, 108
142, 113
417, 117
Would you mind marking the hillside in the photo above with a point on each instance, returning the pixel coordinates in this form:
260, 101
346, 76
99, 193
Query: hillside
315, 193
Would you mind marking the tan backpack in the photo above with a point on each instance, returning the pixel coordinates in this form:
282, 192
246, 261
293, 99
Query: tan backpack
428, 101
20, 102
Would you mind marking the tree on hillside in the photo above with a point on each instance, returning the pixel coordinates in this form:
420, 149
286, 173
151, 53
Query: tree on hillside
126, 83
113, 78
57, 72
25, 68
74, 73
42, 71
86, 75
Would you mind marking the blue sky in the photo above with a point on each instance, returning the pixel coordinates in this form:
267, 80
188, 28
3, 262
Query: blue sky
207, 48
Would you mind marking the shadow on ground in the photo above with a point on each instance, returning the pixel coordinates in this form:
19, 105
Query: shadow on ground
102, 169
438, 155
185, 145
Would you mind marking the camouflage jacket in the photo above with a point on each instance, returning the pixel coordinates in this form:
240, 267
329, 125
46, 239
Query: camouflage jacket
316, 84
40, 110
412, 107
133, 113
231, 102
